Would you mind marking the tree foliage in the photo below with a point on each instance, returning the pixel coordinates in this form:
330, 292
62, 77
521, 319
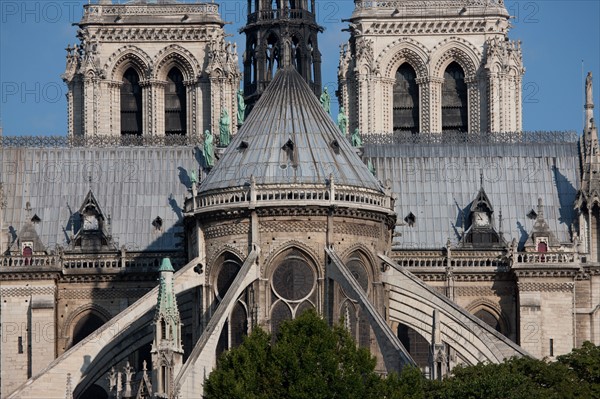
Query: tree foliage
307, 360
310, 360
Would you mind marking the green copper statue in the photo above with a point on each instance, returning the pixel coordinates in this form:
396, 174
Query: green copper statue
343, 122
325, 100
356, 140
224, 132
241, 113
371, 167
209, 156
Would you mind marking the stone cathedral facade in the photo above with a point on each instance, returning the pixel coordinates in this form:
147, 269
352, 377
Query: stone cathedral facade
133, 251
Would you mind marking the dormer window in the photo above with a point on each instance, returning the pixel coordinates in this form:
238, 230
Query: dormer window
90, 222
27, 249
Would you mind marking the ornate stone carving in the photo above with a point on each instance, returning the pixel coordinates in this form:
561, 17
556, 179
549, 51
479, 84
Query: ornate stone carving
8, 292
546, 287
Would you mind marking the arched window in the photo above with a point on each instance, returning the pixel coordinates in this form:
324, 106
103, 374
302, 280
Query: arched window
175, 103
85, 326
296, 55
454, 100
272, 55
416, 345
490, 319
131, 103
406, 100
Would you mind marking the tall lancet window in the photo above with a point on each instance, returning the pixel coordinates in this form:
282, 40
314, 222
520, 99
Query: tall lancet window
131, 103
175, 103
454, 100
406, 100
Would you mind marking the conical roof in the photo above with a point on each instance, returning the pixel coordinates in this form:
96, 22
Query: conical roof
289, 139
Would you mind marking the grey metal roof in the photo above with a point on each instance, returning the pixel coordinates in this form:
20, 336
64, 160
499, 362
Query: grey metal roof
437, 182
133, 185
288, 110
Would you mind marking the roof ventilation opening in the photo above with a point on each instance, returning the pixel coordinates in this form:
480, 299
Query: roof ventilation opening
243, 145
157, 223
336, 146
288, 147
410, 219
532, 214
36, 219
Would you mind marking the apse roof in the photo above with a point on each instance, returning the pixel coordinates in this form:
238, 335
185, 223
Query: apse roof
289, 139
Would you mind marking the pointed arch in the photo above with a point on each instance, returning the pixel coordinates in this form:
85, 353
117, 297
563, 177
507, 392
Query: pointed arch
210, 262
223, 271
83, 321
128, 57
400, 51
176, 56
269, 263
491, 313
455, 50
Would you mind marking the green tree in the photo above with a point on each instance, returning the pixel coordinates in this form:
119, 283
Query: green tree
515, 378
585, 363
307, 360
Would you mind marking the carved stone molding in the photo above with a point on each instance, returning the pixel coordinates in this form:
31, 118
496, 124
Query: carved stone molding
546, 287
356, 229
226, 230
270, 226
102, 293
484, 291
7, 292
145, 34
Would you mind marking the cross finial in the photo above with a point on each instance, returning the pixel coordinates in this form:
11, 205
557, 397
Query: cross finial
481, 178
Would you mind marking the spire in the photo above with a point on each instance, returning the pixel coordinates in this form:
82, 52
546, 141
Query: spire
167, 351
280, 34
589, 193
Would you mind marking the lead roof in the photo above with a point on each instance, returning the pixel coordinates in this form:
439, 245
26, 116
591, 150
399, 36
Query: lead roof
289, 138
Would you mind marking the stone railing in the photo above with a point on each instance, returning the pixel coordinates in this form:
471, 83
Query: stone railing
99, 141
267, 15
256, 196
470, 138
129, 262
97, 10
442, 261
14, 263
545, 257
424, 4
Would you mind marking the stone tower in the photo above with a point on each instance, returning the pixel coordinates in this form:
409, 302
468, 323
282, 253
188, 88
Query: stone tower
432, 66
167, 352
280, 33
143, 68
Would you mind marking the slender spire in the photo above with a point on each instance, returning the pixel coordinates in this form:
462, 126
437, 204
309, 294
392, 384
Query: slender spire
589, 102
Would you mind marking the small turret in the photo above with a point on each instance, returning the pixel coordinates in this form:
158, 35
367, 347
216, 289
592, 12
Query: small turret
167, 351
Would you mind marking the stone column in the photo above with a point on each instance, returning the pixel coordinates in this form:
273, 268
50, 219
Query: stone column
191, 112
147, 107
385, 103
474, 103
435, 101
425, 107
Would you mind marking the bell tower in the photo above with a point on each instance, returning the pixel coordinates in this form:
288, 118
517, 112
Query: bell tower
280, 33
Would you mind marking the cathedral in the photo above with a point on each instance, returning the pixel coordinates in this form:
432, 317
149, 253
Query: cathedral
202, 191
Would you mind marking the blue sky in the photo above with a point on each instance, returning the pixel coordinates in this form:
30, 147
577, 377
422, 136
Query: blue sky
556, 36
